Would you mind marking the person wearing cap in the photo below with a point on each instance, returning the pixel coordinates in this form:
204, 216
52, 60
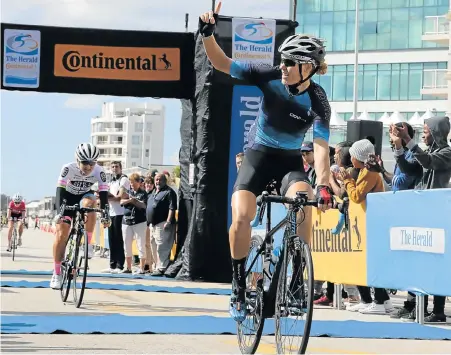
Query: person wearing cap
309, 159
368, 181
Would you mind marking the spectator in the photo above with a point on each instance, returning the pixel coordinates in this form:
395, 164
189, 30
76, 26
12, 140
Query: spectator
150, 262
342, 158
368, 181
119, 186
161, 207
153, 173
398, 180
134, 223
436, 161
149, 184
170, 182
238, 160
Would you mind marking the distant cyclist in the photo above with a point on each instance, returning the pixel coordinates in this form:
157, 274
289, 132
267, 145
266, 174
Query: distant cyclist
16, 210
74, 185
292, 103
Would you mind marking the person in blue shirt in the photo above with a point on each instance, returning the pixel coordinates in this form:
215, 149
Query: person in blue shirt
399, 181
292, 103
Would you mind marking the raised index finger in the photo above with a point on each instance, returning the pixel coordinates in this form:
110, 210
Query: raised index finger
218, 7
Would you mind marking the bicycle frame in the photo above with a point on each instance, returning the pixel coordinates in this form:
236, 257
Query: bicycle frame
268, 242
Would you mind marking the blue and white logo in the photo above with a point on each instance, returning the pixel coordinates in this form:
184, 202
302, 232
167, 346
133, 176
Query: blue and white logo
21, 58
253, 40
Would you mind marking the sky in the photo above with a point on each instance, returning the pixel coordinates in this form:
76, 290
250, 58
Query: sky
40, 131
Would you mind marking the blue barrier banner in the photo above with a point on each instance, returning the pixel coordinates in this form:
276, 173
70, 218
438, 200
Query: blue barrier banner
409, 241
246, 103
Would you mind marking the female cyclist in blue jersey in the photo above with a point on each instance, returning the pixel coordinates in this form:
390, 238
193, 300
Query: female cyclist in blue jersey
292, 103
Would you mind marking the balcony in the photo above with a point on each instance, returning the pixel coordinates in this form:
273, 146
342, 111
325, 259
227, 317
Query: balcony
435, 82
111, 142
436, 30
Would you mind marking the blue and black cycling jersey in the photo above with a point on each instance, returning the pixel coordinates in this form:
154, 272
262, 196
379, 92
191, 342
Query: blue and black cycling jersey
283, 119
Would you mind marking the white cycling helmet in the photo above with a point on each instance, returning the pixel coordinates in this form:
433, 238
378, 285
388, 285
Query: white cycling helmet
303, 49
87, 152
17, 198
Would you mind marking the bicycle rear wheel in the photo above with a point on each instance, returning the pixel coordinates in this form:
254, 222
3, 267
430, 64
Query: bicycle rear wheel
294, 299
81, 264
249, 331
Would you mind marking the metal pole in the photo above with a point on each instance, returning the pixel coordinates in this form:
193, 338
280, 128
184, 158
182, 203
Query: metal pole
420, 309
293, 8
337, 297
356, 58
186, 21
213, 5
142, 143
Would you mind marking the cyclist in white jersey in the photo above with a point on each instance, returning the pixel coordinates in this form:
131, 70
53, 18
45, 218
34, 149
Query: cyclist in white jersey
74, 185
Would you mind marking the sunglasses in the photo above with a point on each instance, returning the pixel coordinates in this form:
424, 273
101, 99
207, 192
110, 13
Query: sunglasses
288, 62
91, 163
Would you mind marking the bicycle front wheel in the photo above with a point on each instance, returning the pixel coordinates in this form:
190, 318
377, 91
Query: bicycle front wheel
81, 269
249, 331
14, 243
294, 298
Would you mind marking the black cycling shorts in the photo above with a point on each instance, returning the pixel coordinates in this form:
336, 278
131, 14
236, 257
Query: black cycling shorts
72, 199
259, 167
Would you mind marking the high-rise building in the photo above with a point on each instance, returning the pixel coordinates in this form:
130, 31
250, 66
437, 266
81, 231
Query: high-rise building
132, 133
403, 54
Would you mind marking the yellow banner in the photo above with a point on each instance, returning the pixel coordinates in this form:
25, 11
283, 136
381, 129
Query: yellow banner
340, 258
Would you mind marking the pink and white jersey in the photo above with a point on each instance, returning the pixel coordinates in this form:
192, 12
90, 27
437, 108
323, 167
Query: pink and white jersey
76, 183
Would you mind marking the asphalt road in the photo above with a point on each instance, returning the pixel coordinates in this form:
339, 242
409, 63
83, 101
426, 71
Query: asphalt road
35, 254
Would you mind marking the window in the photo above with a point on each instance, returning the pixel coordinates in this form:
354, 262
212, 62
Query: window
133, 163
136, 140
148, 126
369, 83
383, 82
138, 126
102, 139
136, 153
147, 139
339, 86
147, 153
384, 24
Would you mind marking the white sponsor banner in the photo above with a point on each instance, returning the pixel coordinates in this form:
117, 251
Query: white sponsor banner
253, 40
21, 58
426, 240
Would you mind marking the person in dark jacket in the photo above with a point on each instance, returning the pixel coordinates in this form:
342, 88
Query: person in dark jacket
399, 180
436, 162
161, 207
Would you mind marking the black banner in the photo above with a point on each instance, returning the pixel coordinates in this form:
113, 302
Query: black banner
97, 61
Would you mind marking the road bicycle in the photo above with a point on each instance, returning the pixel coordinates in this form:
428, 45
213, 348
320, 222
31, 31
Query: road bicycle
279, 282
75, 264
15, 235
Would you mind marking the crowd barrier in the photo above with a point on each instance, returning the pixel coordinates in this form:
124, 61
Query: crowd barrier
397, 240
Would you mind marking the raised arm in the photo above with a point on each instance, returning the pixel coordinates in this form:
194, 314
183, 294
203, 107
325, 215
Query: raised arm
217, 57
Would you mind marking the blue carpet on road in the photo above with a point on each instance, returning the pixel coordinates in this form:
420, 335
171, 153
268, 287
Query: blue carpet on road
120, 324
120, 287
116, 276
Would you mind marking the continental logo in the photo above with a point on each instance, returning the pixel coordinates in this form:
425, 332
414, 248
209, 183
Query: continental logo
117, 63
323, 241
